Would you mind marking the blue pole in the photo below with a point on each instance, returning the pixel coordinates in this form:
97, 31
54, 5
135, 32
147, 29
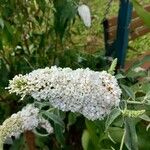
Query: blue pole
124, 18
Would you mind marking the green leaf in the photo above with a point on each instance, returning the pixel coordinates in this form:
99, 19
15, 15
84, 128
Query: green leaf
54, 118
58, 130
72, 117
128, 91
116, 133
18, 143
112, 116
1, 44
145, 87
85, 139
91, 127
64, 14
145, 15
147, 97
8, 33
41, 105
145, 117
1, 23
42, 4
119, 76
40, 134
131, 140
147, 128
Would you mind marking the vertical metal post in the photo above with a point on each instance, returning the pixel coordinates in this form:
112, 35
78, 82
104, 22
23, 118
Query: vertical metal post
124, 18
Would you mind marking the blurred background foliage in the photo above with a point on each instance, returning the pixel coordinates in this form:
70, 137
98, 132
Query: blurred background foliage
39, 33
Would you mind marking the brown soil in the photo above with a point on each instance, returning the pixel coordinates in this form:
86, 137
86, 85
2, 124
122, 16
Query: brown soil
145, 65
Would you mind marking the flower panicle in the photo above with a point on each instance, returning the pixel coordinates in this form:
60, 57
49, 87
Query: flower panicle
88, 92
113, 67
11, 126
132, 113
25, 120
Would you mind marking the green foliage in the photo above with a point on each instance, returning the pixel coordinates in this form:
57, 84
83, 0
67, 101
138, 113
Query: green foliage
131, 140
111, 117
65, 12
113, 67
85, 140
41, 33
145, 15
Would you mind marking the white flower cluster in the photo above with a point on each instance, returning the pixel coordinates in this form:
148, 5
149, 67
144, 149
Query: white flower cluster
25, 120
138, 69
88, 92
85, 14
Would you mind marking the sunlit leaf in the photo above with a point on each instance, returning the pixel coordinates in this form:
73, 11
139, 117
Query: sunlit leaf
128, 91
111, 117
145, 117
145, 15
85, 139
1, 23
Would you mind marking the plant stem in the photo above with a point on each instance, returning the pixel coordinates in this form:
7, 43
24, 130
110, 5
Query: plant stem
122, 141
135, 102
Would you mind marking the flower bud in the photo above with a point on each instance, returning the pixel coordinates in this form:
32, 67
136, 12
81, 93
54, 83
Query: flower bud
84, 13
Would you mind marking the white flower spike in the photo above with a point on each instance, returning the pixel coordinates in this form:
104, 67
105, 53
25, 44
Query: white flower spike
85, 14
25, 120
88, 92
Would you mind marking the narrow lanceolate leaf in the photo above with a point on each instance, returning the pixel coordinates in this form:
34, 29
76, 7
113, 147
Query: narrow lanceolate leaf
147, 97
129, 92
145, 15
54, 118
59, 133
145, 117
147, 128
64, 14
85, 14
112, 116
131, 140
